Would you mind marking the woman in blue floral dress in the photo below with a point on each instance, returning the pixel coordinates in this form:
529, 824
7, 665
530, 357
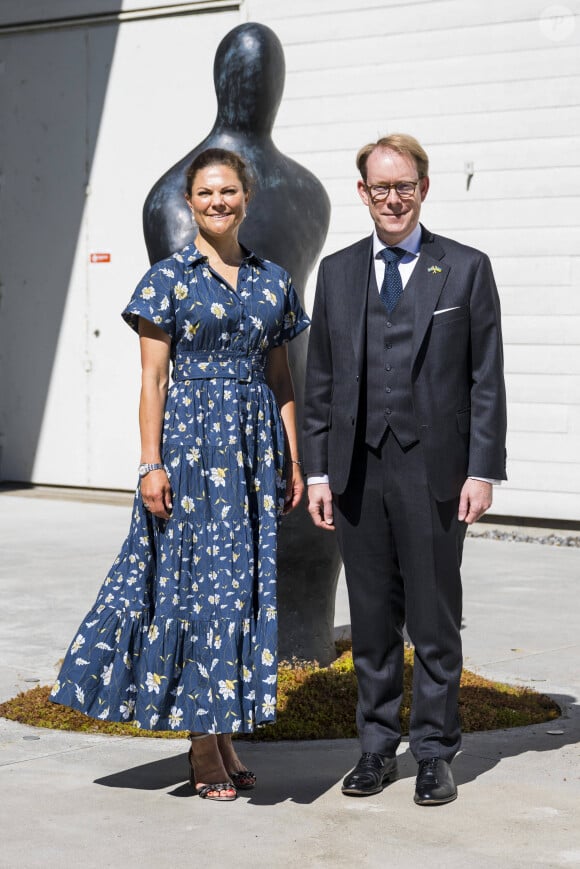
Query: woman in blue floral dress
182, 635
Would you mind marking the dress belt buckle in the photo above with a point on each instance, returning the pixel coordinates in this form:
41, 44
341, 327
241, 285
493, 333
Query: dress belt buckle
244, 370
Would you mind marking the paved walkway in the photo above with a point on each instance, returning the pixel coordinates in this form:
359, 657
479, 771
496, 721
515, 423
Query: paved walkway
96, 801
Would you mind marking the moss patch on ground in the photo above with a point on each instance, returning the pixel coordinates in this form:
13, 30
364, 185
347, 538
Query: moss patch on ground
315, 703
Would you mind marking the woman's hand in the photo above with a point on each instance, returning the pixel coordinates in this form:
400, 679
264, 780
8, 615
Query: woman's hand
294, 487
156, 494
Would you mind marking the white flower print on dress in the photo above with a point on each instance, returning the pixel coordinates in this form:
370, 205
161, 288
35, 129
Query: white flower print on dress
188, 504
268, 706
218, 476
267, 657
78, 642
270, 296
126, 709
192, 456
226, 688
190, 330
153, 681
175, 717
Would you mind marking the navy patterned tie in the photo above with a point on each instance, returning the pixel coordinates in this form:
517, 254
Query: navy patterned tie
392, 287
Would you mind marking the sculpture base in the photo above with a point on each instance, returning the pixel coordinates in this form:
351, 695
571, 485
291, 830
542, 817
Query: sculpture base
308, 569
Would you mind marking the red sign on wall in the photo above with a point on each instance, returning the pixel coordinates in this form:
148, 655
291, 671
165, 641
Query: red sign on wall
100, 258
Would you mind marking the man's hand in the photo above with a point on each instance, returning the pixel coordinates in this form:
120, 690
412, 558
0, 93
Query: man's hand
320, 506
476, 497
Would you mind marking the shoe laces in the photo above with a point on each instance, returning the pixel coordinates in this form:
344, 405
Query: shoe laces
369, 758
429, 763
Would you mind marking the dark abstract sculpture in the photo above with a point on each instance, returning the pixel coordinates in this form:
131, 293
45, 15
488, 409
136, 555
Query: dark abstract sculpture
287, 222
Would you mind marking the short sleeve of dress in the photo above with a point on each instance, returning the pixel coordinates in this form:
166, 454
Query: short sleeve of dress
153, 300
295, 320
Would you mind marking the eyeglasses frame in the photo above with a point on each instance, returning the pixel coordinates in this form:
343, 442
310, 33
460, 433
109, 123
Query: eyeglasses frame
389, 187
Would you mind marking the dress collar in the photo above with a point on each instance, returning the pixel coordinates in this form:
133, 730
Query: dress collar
191, 255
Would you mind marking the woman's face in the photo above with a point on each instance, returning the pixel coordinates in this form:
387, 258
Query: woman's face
217, 200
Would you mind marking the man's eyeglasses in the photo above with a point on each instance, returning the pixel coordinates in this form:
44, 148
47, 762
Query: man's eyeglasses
403, 189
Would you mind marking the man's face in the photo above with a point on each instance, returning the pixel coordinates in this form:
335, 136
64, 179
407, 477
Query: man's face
395, 217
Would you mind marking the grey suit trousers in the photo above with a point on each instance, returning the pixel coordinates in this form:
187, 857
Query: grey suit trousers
402, 554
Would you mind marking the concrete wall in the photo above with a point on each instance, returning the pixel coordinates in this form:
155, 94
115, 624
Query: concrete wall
95, 112
491, 90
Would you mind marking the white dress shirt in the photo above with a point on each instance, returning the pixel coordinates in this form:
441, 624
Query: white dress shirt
412, 247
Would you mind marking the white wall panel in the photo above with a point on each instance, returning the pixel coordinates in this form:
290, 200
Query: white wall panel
307, 46
467, 100
17, 12
92, 123
346, 78
543, 389
532, 360
392, 19
513, 274
538, 331
487, 82
547, 476
432, 129
539, 300
510, 500
538, 418
562, 448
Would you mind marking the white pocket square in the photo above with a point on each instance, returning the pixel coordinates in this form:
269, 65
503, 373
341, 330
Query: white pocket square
444, 310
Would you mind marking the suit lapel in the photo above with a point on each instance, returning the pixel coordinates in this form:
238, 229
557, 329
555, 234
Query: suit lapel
427, 282
356, 276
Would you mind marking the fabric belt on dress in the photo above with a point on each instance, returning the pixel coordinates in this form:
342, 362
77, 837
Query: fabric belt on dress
226, 366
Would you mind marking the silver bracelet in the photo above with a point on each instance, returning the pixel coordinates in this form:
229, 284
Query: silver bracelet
145, 468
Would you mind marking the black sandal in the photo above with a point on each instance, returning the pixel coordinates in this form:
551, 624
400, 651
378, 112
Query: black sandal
218, 788
243, 780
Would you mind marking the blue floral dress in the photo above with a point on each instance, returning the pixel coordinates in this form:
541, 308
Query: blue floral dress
182, 635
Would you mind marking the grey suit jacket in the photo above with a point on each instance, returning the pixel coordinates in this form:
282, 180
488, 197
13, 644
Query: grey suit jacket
456, 377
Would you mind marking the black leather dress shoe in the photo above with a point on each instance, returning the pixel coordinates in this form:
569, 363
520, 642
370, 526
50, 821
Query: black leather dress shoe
370, 775
435, 785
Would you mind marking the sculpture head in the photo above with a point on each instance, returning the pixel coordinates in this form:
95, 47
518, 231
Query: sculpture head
249, 72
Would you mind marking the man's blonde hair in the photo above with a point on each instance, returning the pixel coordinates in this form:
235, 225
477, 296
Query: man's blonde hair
402, 144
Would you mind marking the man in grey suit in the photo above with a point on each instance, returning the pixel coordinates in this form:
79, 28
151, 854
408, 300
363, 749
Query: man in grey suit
404, 435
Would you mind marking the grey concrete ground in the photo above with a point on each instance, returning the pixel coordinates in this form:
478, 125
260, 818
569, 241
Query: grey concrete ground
98, 801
